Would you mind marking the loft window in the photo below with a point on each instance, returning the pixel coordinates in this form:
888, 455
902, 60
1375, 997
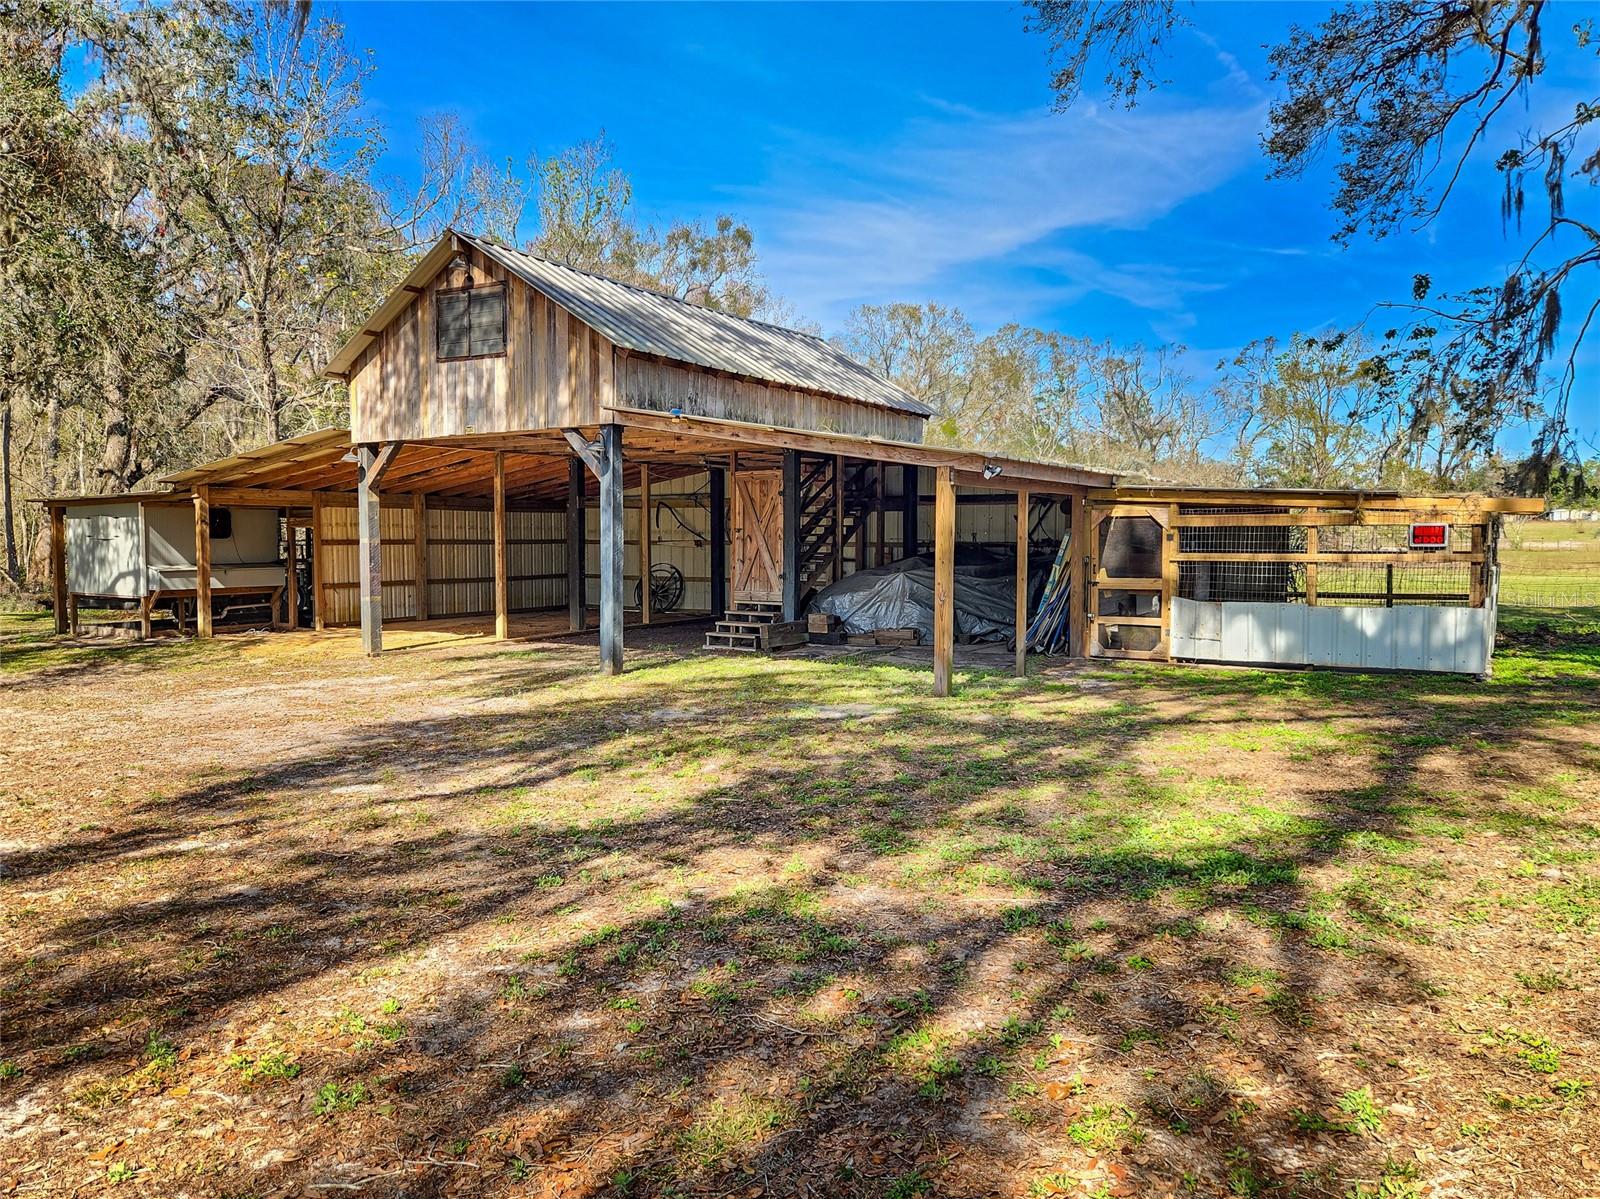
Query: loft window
471, 322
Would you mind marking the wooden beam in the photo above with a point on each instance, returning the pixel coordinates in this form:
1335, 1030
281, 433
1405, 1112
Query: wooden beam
877, 508
290, 574
910, 509
319, 570
202, 561
944, 578
58, 567
838, 517
581, 446
1022, 583
577, 538
502, 568
611, 548
1078, 631
419, 551
383, 460
644, 544
1463, 505
791, 534
1169, 578
1373, 558
1015, 471
1479, 586
1311, 567
719, 543
369, 563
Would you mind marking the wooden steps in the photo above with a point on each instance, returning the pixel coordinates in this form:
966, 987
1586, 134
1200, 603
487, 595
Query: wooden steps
740, 628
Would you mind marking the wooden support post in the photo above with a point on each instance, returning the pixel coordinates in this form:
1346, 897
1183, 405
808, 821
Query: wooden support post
145, 602
58, 567
369, 563
73, 626
502, 581
1311, 566
944, 577
877, 507
291, 571
910, 508
611, 548
1170, 573
838, 517
719, 543
1022, 583
202, 561
419, 553
861, 544
319, 606
577, 536
644, 543
1478, 572
1079, 628
791, 534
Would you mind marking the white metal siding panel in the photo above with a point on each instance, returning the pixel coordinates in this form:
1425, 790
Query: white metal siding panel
1416, 637
105, 554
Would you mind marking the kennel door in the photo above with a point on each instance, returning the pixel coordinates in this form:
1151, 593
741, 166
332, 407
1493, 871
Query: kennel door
1130, 596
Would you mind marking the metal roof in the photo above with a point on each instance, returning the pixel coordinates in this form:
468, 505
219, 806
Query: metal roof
649, 322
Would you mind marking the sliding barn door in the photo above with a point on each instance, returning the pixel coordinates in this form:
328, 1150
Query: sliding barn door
758, 536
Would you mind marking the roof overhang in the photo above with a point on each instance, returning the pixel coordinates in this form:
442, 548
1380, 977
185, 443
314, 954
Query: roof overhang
978, 469
430, 264
1310, 497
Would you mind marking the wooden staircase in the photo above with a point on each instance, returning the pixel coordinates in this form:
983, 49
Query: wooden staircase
835, 504
740, 629
832, 510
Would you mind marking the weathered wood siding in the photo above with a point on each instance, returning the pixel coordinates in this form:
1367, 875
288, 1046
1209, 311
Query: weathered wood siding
556, 370
663, 386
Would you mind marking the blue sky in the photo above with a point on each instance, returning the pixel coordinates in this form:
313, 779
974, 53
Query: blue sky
908, 152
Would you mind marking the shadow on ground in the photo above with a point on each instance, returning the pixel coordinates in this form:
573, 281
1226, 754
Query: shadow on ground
746, 927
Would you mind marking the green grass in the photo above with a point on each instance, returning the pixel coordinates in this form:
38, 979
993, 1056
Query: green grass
999, 897
729, 1127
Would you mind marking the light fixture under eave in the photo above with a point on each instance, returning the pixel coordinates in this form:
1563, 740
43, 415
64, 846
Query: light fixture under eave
990, 470
349, 456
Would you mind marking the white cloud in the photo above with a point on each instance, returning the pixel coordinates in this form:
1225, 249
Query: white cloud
838, 227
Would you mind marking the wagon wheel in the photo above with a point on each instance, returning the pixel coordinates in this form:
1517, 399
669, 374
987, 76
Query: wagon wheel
666, 588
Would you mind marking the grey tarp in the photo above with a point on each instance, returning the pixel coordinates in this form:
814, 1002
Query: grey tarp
900, 595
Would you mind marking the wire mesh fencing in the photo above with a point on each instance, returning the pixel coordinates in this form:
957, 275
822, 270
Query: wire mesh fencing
1346, 565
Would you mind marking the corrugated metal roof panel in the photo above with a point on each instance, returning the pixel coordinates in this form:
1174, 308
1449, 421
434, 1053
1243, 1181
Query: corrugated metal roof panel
649, 322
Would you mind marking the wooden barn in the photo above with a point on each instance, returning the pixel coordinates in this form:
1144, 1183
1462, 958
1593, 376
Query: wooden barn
508, 414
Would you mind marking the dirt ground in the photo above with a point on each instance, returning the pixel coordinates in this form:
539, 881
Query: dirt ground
468, 919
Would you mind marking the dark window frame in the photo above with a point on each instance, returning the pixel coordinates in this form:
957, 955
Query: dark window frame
505, 319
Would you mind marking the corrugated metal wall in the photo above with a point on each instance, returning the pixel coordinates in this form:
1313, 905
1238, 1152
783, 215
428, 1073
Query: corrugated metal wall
1418, 637
461, 549
460, 562
680, 534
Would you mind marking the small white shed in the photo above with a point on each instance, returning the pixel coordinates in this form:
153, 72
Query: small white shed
144, 551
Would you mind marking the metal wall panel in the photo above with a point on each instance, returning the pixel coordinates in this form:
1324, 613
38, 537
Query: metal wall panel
682, 540
1411, 637
105, 549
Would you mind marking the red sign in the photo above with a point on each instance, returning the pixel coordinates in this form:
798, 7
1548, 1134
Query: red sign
1430, 537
